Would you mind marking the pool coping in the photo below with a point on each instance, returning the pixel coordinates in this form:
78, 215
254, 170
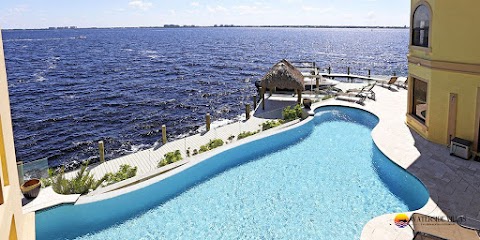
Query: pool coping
378, 227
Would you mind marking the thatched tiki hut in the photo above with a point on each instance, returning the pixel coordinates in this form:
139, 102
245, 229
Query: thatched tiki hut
284, 75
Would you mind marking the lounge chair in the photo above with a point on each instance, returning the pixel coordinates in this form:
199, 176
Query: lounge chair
402, 82
366, 90
388, 83
431, 228
351, 97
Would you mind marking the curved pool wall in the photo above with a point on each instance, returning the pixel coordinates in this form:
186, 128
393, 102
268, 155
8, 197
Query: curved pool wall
70, 221
400, 182
81, 219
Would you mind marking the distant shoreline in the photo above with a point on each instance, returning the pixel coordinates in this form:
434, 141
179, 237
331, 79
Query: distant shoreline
214, 26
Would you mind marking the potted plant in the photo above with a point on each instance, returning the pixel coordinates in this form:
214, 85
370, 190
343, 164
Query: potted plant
31, 188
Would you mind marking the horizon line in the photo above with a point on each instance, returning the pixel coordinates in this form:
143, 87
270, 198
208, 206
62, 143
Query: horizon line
215, 26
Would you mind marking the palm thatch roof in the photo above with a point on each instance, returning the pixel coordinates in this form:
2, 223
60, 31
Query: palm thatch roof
283, 75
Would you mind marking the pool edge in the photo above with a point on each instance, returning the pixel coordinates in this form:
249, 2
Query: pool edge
382, 227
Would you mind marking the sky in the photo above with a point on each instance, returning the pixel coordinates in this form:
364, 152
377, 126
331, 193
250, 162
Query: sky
135, 13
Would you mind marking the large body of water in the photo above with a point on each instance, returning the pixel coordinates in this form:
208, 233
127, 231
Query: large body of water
71, 88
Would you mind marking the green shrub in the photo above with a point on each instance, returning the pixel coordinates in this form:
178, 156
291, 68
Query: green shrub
170, 157
82, 183
290, 114
271, 124
125, 172
49, 180
211, 145
243, 135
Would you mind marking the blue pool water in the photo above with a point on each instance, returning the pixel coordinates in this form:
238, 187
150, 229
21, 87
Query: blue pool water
323, 180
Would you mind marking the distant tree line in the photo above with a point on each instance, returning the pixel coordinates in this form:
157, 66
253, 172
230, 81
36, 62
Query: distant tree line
224, 25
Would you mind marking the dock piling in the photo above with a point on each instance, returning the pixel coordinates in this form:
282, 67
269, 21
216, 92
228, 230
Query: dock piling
348, 70
394, 74
207, 118
329, 69
101, 150
262, 93
247, 111
368, 72
254, 101
164, 134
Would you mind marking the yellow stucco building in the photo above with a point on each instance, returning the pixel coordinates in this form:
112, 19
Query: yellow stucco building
13, 223
444, 70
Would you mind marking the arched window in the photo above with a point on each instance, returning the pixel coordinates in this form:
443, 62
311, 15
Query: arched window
421, 25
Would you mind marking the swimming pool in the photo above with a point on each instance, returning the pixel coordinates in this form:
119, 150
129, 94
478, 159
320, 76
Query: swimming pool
322, 180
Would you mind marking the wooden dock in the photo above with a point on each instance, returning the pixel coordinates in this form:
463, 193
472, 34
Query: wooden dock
354, 76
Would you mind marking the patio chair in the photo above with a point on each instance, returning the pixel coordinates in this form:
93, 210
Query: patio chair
366, 90
330, 91
351, 97
385, 83
431, 228
402, 82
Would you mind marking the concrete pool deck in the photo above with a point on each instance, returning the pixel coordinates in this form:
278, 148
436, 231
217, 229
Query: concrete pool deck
452, 182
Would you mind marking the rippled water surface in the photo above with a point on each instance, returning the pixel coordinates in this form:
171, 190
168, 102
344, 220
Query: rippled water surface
72, 88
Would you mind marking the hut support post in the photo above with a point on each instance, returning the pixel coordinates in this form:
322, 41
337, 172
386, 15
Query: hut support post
254, 101
317, 83
262, 93
164, 134
299, 94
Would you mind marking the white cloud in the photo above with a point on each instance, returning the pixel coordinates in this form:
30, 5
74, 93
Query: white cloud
217, 9
371, 15
194, 4
246, 9
140, 4
317, 10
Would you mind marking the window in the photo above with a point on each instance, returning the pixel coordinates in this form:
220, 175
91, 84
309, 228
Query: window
421, 25
419, 101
